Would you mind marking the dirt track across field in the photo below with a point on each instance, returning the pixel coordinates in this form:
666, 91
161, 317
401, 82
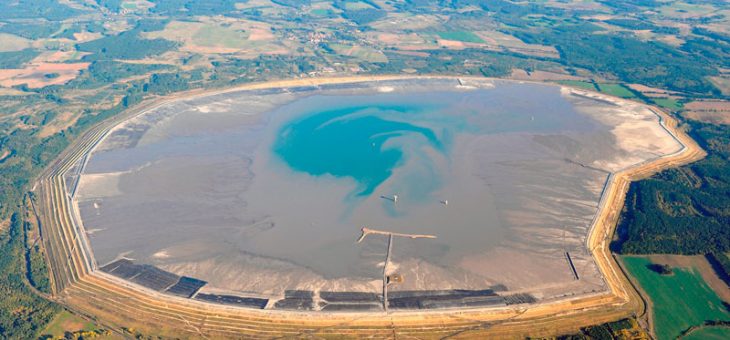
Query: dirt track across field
77, 283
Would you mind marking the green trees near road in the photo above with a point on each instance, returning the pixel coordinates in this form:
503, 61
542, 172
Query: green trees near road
22, 314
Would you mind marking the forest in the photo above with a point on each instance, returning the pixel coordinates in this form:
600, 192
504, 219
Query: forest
15, 59
126, 45
22, 313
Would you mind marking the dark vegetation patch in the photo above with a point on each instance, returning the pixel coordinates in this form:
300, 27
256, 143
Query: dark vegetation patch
22, 314
621, 329
631, 5
30, 31
186, 8
36, 269
711, 34
112, 5
364, 16
17, 59
35, 9
721, 265
629, 58
662, 269
292, 3
245, 70
468, 62
68, 33
708, 50
105, 72
634, 24
194, 7
585, 45
126, 45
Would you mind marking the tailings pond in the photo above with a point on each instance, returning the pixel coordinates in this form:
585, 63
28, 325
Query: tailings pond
257, 192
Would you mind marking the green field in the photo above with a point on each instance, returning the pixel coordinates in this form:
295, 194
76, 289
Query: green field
213, 35
710, 333
320, 12
668, 103
360, 52
67, 322
617, 90
464, 36
356, 5
680, 300
682, 9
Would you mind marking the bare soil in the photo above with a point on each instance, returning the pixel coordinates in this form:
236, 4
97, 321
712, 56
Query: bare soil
35, 75
712, 111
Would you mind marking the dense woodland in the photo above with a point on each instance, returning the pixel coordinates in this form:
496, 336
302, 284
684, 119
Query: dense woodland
15, 59
22, 313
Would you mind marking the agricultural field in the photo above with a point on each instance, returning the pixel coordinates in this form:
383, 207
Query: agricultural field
463, 36
679, 300
362, 53
502, 41
722, 83
668, 103
10, 43
41, 74
683, 10
211, 37
711, 111
67, 322
617, 90
709, 333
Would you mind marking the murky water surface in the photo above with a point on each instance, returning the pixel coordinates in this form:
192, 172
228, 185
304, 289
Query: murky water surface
245, 183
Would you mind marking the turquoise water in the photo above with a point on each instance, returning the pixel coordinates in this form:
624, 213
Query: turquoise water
352, 142
366, 138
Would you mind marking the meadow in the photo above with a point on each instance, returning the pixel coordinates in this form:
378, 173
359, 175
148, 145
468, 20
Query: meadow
617, 90
679, 301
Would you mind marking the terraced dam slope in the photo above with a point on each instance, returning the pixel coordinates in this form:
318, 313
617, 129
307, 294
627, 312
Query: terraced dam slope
79, 282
